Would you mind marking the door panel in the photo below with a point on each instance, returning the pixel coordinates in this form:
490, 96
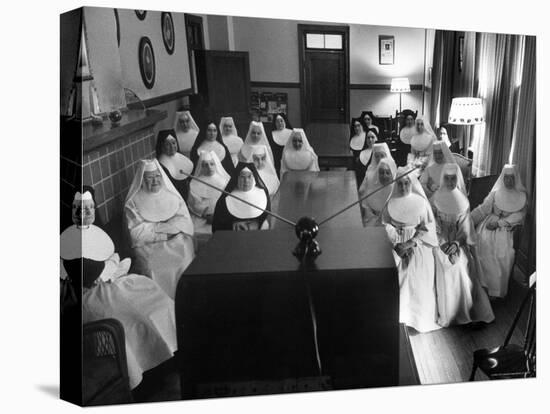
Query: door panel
325, 86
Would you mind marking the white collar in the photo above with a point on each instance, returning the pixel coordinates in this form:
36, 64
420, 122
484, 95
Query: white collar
357, 142
242, 210
510, 201
298, 160
212, 146
89, 242
175, 163
365, 156
204, 191
450, 202
281, 137
156, 207
186, 139
407, 209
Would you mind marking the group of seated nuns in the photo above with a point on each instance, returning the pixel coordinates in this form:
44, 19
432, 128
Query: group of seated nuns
90, 265
449, 259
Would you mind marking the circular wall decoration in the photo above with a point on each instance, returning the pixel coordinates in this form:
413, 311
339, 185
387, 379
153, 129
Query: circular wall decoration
117, 27
146, 58
141, 14
168, 33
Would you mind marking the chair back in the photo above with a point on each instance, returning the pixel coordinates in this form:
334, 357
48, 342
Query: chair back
529, 337
480, 188
105, 368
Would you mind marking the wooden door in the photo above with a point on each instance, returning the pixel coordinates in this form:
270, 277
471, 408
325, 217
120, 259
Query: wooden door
324, 70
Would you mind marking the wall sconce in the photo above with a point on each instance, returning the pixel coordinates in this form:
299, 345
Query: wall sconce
466, 111
400, 85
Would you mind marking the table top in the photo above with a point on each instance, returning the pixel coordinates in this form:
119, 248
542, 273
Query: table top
329, 139
319, 195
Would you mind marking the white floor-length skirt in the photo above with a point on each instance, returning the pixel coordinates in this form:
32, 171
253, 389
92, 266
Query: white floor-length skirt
496, 255
145, 312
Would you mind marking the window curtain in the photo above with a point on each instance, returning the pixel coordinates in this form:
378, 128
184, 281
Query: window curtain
524, 153
499, 60
442, 76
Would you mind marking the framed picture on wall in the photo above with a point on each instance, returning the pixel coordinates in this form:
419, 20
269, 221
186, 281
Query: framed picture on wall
146, 58
386, 49
168, 36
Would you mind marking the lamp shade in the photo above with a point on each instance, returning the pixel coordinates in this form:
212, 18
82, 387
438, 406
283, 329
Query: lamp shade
400, 85
466, 111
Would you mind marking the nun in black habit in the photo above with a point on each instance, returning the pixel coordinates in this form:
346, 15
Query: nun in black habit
364, 157
281, 130
212, 140
176, 165
233, 214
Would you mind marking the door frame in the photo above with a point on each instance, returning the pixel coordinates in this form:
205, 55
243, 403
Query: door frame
318, 28
189, 20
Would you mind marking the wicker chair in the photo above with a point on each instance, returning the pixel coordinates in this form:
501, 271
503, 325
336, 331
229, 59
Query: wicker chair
105, 369
512, 360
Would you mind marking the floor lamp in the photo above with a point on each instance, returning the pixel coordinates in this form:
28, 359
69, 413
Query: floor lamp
466, 111
400, 85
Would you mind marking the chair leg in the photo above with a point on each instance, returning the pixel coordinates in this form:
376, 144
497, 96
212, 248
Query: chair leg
473, 374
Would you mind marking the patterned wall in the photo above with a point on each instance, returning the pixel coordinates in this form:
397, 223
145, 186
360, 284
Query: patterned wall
110, 170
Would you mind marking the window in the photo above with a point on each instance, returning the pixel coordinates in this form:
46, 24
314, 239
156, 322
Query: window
323, 41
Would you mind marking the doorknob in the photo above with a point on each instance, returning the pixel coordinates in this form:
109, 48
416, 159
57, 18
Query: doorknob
341, 109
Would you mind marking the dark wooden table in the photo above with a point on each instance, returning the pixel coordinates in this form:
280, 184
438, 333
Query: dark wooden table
331, 144
319, 195
244, 324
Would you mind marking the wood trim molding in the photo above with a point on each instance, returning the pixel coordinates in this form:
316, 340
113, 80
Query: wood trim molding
158, 100
264, 84
380, 86
359, 86
95, 136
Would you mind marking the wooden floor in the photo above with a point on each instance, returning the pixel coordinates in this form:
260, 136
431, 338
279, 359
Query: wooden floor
445, 356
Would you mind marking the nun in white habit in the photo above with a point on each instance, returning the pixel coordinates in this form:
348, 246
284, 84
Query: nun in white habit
186, 131
421, 145
372, 206
431, 177
298, 155
160, 226
231, 138
203, 198
265, 169
255, 136
460, 296
108, 291
379, 151
410, 225
495, 219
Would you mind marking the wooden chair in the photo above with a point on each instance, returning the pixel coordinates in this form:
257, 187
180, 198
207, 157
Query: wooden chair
512, 360
104, 364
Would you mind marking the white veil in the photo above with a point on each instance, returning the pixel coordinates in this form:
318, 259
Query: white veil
400, 208
379, 199
290, 154
268, 173
510, 200
218, 180
186, 139
422, 141
155, 207
280, 137
246, 150
455, 201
